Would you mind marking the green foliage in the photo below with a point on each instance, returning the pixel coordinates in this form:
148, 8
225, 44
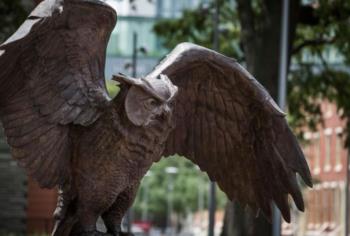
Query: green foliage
321, 60
334, 23
112, 88
330, 84
196, 26
12, 14
321, 51
187, 183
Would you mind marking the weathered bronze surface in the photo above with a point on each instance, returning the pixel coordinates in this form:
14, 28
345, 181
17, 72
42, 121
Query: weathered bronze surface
65, 131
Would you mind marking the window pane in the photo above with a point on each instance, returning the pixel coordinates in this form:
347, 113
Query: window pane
317, 153
328, 141
338, 150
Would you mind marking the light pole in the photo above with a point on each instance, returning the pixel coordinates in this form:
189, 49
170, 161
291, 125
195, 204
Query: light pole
170, 171
283, 72
200, 199
134, 55
134, 74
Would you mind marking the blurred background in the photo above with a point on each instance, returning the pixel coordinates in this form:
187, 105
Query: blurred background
299, 50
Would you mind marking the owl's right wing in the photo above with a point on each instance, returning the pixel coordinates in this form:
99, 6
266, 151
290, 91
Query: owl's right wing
52, 76
228, 124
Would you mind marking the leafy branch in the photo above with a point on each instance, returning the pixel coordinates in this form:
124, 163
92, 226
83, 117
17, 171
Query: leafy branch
312, 43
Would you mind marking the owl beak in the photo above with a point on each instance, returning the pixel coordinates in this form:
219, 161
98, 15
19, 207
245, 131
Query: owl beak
167, 114
166, 109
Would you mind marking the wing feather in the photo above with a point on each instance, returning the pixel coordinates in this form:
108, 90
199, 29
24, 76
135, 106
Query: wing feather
240, 136
52, 78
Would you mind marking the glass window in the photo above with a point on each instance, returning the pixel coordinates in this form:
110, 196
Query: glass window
113, 44
317, 153
328, 110
307, 147
333, 206
311, 209
174, 8
327, 213
338, 151
319, 208
328, 143
121, 41
337, 205
166, 8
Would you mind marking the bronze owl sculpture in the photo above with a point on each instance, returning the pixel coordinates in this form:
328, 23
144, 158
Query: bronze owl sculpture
65, 130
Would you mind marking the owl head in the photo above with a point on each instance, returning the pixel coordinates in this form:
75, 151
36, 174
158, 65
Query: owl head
147, 98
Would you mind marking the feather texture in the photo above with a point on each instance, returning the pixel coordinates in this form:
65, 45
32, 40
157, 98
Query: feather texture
236, 133
51, 68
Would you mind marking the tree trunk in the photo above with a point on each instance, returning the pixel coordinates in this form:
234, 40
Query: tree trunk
260, 37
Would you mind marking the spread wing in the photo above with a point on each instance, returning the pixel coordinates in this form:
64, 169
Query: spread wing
228, 125
52, 75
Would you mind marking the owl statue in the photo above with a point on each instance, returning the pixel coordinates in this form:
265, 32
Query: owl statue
65, 130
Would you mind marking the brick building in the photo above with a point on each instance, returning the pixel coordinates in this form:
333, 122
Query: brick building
327, 158
41, 204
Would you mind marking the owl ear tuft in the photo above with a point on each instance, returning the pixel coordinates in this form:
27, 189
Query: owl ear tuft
124, 79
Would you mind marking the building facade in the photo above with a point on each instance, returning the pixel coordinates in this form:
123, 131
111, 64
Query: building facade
327, 158
139, 18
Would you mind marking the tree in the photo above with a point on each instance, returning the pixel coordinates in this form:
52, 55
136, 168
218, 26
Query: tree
12, 15
187, 183
251, 33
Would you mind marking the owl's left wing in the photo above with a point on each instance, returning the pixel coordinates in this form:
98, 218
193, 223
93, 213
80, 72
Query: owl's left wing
228, 124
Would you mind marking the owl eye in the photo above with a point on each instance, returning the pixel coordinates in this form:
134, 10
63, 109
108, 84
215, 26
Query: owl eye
151, 103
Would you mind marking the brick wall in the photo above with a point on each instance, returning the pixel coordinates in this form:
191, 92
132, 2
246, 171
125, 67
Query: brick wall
327, 158
325, 150
41, 205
